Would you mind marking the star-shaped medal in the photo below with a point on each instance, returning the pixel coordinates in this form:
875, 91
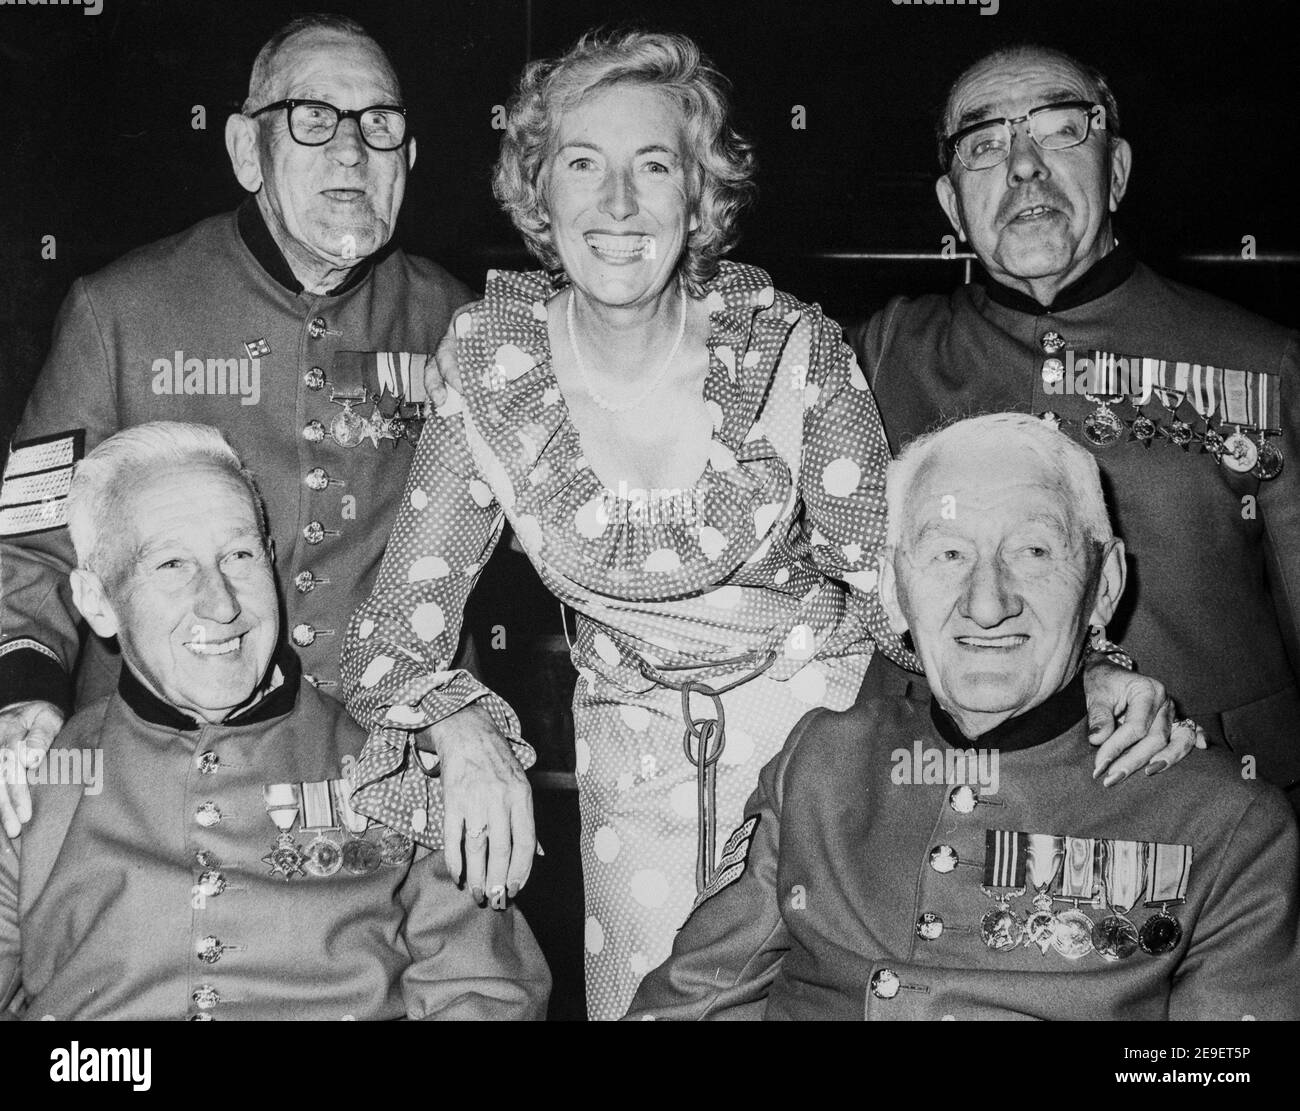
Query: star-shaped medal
285, 858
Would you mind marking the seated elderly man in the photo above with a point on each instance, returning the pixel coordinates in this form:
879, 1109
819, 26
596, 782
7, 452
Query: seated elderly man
219, 870
949, 854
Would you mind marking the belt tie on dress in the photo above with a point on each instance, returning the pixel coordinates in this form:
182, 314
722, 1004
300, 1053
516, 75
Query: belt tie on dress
711, 737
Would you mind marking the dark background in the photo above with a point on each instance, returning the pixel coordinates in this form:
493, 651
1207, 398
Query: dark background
99, 152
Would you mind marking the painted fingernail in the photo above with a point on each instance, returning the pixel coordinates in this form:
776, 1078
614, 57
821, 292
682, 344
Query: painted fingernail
540, 851
497, 893
477, 893
1113, 778
1156, 767
512, 890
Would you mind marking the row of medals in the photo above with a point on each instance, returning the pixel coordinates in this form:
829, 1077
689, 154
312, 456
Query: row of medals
1074, 934
325, 856
348, 428
1237, 451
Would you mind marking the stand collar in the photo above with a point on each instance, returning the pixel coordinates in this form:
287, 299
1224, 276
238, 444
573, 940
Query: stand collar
1103, 276
261, 243
1044, 722
273, 704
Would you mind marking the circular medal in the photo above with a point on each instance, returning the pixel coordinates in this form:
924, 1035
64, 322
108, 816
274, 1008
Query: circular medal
1040, 930
322, 857
1073, 935
362, 857
1115, 938
395, 848
1270, 461
1144, 428
1239, 453
1002, 929
346, 428
1180, 432
1160, 934
1102, 428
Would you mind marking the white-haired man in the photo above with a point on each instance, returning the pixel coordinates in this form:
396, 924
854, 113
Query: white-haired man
218, 870
948, 853
298, 325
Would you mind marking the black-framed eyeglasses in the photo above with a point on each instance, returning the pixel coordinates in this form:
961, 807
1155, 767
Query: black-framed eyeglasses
1058, 126
313, 123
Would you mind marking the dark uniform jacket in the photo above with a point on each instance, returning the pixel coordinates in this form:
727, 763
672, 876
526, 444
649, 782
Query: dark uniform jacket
1213, 599
210, 326
149, 894
824, 919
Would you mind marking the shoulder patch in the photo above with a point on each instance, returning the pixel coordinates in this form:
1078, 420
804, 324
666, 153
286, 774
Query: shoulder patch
732, 862
37, 476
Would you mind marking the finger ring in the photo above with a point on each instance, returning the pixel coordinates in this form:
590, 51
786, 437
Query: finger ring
476, 834
1184, 722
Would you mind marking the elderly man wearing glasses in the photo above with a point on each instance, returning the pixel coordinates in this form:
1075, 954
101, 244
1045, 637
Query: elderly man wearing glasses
295, 325
1188, 403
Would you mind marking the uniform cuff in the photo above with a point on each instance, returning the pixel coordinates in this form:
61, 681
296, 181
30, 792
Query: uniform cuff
29, 674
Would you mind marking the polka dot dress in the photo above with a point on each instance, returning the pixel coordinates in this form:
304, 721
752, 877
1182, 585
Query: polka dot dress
776, 565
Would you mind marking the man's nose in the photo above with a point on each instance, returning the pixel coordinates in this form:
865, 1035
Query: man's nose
216, 598
347, 147
990, 596
619, 199
1025, 159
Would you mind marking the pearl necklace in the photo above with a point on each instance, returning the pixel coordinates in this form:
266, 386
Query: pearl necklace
622, 406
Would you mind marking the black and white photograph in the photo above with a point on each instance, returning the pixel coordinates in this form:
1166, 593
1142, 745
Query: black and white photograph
572, 511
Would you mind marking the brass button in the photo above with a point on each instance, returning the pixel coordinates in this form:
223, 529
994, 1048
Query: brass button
929, 926
304, 582
885, 984
963, 799
209, 950
317, 478
313, 532
1053, 371
1052, 342
211, 884
313, 432
206, 997
303, 635
208, 814
208, 763
1050, 418
314, 379
317, 327
202, 1016
205, 858
943, 859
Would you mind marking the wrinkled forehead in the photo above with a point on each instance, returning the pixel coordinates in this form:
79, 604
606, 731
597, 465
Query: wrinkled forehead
1010, 86
317, 61
983, 490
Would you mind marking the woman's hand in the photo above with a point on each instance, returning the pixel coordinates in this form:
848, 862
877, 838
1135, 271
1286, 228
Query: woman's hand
488, 831
27, 729
1131, 718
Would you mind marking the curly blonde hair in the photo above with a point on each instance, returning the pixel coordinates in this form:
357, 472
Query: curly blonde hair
721, 164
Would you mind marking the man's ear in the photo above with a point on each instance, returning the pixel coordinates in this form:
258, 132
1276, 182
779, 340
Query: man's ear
1121, 162
889, 592
410, 153
245, 157
948, 201
1111, 574
92, 600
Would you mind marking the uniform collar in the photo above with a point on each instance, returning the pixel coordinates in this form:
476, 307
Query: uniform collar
275, 703
261, 243
1104, 275
1044, 722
